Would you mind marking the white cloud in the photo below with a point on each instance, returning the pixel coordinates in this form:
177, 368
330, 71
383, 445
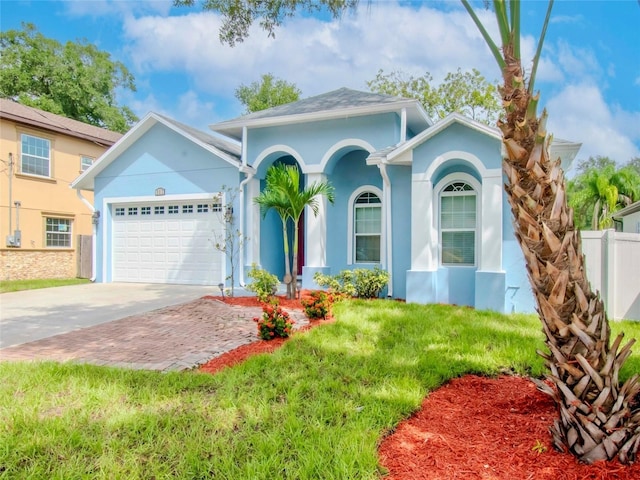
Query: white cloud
319, 56
579, 113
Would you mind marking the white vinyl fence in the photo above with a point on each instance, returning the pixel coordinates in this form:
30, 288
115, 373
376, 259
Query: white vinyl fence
613, 268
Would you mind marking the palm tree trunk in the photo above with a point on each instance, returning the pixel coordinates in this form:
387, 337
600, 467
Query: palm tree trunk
294, 275
287, 265
597, 418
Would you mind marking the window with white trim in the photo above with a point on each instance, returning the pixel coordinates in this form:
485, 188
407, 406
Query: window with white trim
85, 163
58, 232
458, 224
36, 156
367, 230
120, 211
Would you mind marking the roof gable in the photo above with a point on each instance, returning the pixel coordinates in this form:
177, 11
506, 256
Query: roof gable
340, 103
560, 148
222, 148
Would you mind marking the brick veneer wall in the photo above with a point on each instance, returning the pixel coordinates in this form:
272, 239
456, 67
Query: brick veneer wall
32, 264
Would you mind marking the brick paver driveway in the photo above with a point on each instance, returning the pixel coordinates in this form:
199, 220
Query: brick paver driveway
178, 337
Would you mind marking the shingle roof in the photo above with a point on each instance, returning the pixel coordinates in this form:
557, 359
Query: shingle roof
340, 99
57, 123
343, 102
227, 146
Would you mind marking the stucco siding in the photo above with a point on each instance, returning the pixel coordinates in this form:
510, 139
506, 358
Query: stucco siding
459, 138
401, 227
42, 197
350, 173
312, 140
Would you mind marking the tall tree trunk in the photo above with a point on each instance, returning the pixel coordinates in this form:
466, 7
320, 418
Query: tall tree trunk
597, 418
294, 275
287, 265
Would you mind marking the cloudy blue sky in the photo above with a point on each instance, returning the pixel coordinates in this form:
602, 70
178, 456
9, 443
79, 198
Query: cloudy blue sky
589, 75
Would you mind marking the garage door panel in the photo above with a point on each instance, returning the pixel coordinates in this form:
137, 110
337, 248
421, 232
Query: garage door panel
164, 247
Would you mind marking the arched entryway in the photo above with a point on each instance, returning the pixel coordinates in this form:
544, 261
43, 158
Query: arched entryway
271, 237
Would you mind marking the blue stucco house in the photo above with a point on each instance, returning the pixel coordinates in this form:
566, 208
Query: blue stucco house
424, 201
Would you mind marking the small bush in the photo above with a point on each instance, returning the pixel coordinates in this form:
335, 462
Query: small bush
264, 284
317, 304
275, 322
360, 283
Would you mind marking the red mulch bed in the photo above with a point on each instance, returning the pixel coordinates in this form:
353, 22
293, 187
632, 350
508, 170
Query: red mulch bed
470, 428
241, 353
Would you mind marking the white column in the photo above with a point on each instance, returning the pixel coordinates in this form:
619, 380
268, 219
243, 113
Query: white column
491, 223
253, 222
316, 228
424, 237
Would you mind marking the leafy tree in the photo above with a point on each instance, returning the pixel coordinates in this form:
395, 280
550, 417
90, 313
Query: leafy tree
238, 16
598, 163
282, 192
268, 92
75, 80
634, 163
467, 93
598, 418
600, 190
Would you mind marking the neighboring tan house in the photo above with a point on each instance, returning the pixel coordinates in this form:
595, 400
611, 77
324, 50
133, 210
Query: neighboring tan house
628, 218
424, 201
40, 216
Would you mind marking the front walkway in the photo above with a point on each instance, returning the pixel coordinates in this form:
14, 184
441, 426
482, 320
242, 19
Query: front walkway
178, 337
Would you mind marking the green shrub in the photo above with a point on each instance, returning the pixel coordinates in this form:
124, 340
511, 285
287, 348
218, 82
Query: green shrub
264, 284
361, 282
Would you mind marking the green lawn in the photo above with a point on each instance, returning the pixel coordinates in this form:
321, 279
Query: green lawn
16, 285
314, 409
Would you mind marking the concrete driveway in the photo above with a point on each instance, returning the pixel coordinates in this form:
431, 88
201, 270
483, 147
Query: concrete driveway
36, 314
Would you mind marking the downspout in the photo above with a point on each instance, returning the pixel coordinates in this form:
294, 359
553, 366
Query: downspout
387, 213
249, 172
94, 235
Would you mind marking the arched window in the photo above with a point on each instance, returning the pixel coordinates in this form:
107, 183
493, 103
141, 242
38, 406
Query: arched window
367, 229
458, 224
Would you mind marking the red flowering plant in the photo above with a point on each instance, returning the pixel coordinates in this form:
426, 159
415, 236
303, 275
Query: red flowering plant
275, 322
317, 304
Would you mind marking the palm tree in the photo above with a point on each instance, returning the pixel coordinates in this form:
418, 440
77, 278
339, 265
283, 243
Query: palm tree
283, 193
273, 197
604, 191
597, 417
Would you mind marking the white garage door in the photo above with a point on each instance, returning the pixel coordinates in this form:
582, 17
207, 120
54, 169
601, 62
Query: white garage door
168, 242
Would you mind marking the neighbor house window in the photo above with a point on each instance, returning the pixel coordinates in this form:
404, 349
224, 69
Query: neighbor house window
58, 232
85, 163
458, 224
367, 229
36, 156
